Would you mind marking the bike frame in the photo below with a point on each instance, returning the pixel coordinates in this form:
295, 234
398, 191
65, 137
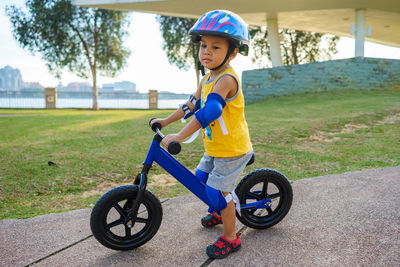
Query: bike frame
159, 155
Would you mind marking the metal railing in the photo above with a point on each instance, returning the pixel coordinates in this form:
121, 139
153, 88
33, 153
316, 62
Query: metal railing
73, 99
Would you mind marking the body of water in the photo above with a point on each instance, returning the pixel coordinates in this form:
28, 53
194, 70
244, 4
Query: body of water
87, 103
84, 100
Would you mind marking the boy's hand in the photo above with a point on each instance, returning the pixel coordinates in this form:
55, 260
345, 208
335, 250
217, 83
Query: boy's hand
189, 129
171, 137
160, 121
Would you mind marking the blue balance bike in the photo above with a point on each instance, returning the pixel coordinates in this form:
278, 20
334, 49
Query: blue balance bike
129, 216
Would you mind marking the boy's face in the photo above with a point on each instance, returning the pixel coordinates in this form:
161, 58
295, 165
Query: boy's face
213, 51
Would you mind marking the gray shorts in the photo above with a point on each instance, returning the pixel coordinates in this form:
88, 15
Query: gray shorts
223, 172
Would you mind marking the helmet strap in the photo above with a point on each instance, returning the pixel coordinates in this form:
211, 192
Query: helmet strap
200, 67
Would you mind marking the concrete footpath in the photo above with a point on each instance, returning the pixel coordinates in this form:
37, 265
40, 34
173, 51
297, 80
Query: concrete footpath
350, 219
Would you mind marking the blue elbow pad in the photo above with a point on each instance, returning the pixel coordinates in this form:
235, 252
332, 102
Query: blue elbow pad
211, 111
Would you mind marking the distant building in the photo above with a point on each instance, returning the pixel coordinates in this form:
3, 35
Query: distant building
79, 87
10, 79
31, 85
120, 86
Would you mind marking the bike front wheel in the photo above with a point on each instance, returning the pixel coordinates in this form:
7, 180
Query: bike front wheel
107, 220
264, 186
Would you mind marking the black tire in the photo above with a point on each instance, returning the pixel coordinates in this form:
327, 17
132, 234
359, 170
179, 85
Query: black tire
252, 188
107, 218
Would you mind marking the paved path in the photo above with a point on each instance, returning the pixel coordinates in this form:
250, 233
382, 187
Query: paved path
351, 219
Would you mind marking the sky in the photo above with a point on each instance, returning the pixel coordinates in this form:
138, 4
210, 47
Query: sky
147, 65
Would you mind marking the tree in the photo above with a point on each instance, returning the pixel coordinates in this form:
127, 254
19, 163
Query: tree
296, 46
180, 50
84, 40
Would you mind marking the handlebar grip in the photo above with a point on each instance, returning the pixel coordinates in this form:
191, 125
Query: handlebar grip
174, 148
155, 126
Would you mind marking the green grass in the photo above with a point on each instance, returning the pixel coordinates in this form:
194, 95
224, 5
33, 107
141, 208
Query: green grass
301, 135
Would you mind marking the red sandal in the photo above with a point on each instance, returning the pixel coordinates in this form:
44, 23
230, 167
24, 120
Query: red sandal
223, 247
211, 220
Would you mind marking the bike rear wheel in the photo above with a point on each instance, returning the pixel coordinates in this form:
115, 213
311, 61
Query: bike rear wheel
260, 185
107, 220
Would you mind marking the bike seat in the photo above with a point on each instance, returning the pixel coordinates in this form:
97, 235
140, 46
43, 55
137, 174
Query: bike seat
252, 159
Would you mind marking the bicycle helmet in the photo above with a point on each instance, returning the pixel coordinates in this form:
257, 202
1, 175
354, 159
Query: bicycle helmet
224, 24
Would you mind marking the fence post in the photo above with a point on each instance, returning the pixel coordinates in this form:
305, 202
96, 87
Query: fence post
153, 99
51, 97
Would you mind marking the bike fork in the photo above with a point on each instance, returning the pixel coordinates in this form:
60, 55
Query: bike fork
141, 181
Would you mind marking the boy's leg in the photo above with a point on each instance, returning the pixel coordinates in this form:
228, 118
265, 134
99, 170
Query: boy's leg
223, 172
229, 220
223, 177
230, 241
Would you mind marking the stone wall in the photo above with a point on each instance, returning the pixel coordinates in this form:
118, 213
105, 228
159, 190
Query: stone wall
352, 73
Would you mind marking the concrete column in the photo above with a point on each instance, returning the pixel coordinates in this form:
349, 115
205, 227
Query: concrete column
273, 41
153, 99
50, 97
359, 33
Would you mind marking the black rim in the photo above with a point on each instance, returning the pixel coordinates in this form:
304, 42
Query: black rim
261, 189
113, 222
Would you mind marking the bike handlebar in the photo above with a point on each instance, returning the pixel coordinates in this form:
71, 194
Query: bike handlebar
174, 147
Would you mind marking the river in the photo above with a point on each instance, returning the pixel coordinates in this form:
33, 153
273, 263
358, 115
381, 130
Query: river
115, 101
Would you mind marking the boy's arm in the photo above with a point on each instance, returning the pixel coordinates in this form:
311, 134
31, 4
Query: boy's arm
189, 128
215, 102
179, 113
186, 131
226, 86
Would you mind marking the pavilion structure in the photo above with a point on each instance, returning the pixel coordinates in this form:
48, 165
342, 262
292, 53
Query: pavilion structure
372, 20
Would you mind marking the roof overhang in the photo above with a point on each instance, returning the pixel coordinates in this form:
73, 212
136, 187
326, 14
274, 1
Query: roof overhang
335, 17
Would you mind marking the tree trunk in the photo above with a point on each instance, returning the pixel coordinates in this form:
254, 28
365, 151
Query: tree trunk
197, 75
94, 68
195, 52
94, 90
294, 44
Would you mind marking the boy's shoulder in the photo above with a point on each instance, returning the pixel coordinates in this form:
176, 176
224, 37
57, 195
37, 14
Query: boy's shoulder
230, 69
227, 86
227, 79
228, 73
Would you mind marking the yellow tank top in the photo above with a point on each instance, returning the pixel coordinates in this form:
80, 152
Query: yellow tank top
228, 136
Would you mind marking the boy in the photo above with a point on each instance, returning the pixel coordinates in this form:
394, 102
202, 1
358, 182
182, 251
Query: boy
222, 34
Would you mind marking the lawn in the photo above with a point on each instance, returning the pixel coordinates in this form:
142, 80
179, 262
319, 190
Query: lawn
300, 135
